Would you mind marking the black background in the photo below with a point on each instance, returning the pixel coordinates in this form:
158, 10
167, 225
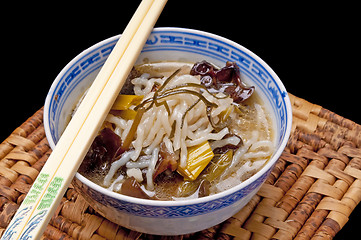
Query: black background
311, 47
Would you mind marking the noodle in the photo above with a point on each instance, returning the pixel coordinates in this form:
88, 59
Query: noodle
209, 136
153, 162
115, 166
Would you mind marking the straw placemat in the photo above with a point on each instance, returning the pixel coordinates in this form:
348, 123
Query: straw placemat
310, 193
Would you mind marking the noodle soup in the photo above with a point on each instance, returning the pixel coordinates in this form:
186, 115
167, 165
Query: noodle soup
172, 217
181, 131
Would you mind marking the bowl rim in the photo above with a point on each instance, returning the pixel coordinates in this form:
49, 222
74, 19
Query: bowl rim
168, 203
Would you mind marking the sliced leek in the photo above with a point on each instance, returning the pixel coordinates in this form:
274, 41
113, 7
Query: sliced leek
123, 103
198, 158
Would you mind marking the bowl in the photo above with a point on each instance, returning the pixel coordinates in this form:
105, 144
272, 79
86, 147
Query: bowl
172, 44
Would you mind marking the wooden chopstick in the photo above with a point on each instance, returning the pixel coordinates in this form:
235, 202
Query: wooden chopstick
48, 189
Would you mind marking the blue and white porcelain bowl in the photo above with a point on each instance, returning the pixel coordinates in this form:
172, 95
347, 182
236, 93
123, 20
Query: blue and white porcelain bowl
172, 44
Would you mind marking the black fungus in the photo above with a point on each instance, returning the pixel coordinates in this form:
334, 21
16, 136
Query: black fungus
227, 79
105, 148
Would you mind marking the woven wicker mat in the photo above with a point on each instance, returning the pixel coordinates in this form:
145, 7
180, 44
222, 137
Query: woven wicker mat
310, 193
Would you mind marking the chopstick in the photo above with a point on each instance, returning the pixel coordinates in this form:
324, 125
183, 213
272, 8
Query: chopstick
48, 189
